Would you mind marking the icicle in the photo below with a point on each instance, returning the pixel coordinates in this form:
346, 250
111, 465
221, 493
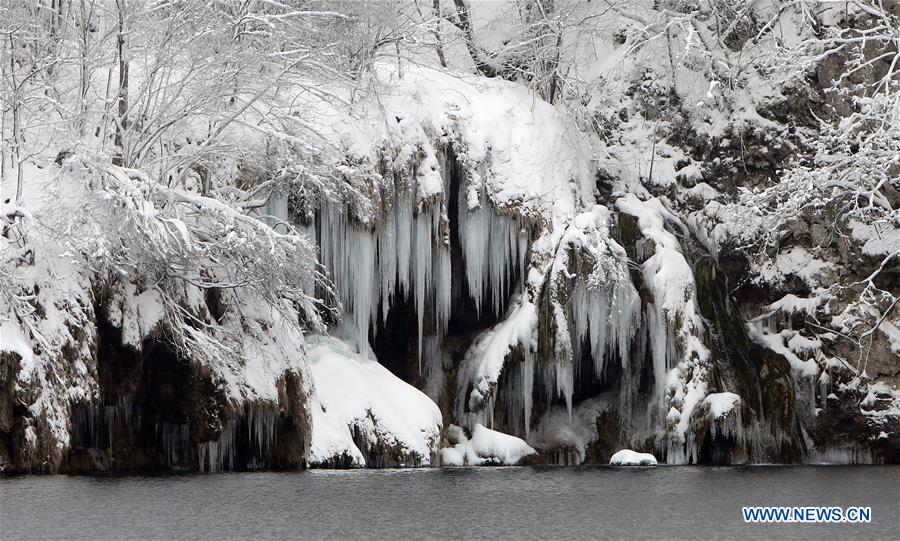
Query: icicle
275, 212
261, 428
423, 239
403, 222
565, 384
349, 254
309, 283
176, 439
96, 425
662, 347
527, 388
442, 288
402, 256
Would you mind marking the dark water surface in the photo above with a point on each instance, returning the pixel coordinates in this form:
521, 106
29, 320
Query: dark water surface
483, 503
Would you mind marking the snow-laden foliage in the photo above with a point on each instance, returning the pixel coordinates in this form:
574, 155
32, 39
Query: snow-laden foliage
176, 244
221, 288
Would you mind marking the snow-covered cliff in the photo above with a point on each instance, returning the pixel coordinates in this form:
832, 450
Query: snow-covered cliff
468, 275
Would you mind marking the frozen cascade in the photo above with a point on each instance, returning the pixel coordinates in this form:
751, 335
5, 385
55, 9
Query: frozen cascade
309, 284
675, 329
221, 454
435, 376
432, 274
527, 389
261, 430
607, 319
218, 455
275, 212
594, 311
342, 247
662, 346
484, 362
176, 440
516, 397
409, 256
96, 424
560, 376
492, 243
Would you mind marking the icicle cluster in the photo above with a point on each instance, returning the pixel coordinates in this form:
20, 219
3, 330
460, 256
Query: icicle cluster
492, 244
261, 430
97, 424
405, 255
675, 329
218, 455
589, 296
605, 319
176, 440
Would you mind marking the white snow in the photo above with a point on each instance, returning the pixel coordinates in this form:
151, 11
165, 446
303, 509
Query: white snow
627, 457
796, 261
878, 239
353, 392
776, 342
497, 447
721, 404
792, 304
484, 360
12, 339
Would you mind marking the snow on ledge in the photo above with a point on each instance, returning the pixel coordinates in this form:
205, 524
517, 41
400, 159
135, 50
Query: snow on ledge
721, 404
627, 457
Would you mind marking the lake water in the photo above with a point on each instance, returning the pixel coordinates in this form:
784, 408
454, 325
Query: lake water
504, 503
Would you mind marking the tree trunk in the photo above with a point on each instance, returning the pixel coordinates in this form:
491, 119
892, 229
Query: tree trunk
84, 74
17, 152
436, 10
122, 119
464, 23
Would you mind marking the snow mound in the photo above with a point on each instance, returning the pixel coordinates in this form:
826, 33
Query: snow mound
357, 396
627, 457
721, 404
533, 154
486, 447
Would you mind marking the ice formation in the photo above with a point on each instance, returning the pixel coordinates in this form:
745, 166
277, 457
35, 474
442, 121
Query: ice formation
492, 244
484, 360
675, 330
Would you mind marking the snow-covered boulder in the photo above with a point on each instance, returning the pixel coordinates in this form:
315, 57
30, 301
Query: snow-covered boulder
486, 447
627, 457
360, 406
